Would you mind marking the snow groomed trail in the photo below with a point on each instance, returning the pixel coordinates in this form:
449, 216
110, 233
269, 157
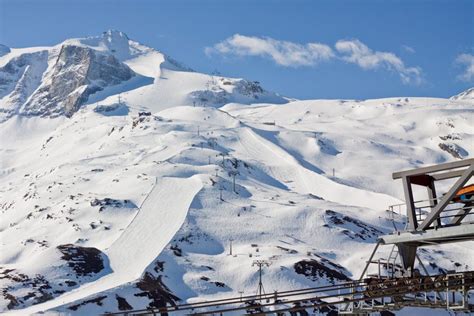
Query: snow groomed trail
286, 168
161, 215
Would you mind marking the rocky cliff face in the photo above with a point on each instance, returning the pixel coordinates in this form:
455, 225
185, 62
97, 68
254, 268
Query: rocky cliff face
77, 73
19, 78
221, 90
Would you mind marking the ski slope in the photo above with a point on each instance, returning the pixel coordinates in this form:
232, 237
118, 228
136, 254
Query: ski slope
157, 221
286, 168
160, 173
284, 197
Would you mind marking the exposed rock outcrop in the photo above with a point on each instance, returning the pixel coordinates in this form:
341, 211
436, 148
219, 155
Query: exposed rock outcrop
83, 260
19, 78
315, 270
454, 150
77, 73
224, 90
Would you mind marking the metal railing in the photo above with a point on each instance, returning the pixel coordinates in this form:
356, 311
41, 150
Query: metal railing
348, 297
421, 211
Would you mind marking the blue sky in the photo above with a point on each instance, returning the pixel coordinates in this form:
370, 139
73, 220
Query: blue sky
302, 49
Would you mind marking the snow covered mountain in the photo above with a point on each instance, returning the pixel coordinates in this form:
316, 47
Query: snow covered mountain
465, 95
117, 179
4, 50
52, 81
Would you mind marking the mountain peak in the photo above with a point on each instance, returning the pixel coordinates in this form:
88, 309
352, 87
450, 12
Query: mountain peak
4, 50
112, 42
114, 35
117, 43
114, 39
465, 95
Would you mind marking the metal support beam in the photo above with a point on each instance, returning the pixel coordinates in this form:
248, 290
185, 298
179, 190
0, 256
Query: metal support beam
461, 214
408, 256
432, 198
446, 234
412, 222
434, 214
422, 266
370, 259
435, 168
447, 175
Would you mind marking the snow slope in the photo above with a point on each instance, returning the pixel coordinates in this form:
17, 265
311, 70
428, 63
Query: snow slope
467, 95
131, 203
157, 221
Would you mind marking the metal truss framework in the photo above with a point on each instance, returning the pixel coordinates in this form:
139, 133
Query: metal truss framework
447, 291
443, 218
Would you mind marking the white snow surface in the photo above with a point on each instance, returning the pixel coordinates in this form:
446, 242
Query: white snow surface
465, 95
312, 182
160, 216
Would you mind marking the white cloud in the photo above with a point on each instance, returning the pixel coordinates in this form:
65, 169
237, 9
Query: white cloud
292, 54
283, 53
408, 49
466, 60
354, 51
